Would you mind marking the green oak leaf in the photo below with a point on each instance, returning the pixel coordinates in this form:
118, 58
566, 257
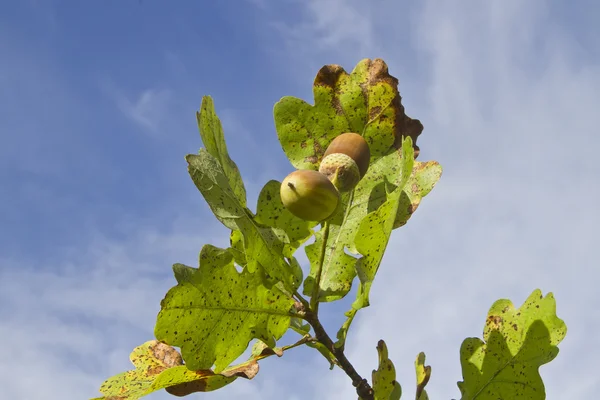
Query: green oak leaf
517, 342
365, 101
215, 311
385, 386
423, 376
159, 366
373, 234
289, 229
213, 139
260, 242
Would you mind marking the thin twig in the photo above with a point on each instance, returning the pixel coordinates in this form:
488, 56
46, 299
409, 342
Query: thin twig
305, 339
363, 389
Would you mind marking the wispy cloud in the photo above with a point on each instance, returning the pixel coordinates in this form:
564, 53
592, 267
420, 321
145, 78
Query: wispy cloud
148, 109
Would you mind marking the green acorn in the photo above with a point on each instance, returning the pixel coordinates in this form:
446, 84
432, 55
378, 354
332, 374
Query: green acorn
309, 195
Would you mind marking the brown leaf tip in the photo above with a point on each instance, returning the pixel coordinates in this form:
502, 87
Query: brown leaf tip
328, 75
378, 72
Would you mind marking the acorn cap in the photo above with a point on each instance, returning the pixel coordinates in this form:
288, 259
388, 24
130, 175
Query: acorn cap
341, 170
354, 146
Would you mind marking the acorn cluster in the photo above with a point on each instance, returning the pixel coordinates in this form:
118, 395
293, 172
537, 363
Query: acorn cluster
314, 195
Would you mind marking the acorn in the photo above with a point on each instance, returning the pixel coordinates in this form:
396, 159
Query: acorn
309, 195
346, 161
341, 170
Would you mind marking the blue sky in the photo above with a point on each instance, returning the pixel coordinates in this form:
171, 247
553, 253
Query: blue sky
97, 110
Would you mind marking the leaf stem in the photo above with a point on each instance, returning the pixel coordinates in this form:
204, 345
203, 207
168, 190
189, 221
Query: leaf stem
314, 299
363, 389
305, 339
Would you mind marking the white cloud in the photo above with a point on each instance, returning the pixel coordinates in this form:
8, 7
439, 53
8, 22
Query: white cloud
69, 325
148, 109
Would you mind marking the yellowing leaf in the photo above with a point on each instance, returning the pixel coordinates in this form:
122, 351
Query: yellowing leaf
159, 366
365, 101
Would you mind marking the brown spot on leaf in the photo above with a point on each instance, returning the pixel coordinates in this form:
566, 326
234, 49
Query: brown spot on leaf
412, 208
319, 151
166, 354
312, 159
246, 370
378, 72
155, 370
494, 321
374, 111
337, 105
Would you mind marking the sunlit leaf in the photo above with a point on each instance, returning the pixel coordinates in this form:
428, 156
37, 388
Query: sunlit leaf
159, 366
213, 139
215, 311
516, 343
423, 376
385, 386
